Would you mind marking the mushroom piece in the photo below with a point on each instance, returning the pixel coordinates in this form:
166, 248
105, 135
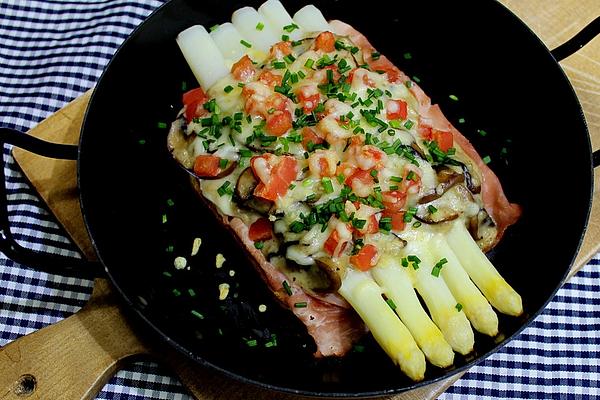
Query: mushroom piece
439, 211
447, 178
472, 185
178, 144
332, 272
244, 192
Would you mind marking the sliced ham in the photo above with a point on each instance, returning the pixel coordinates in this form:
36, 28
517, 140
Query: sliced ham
503, 212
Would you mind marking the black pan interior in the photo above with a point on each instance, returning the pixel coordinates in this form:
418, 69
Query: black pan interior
138, 205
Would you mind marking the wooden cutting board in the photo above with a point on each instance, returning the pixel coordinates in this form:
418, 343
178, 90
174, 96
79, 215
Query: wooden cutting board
74, 358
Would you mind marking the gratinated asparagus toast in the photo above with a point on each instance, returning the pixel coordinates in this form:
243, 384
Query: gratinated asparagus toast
349, 190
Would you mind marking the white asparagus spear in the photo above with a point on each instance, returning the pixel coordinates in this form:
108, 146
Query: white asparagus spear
202, 55
440, 302
359, 289
311, 19
277, 17
397, 285
498, 292
476, 307
254, 28
228, 40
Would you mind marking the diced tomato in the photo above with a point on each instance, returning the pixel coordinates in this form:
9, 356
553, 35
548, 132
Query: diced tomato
260, 230
371, 226
425, 131
325, 41
361, 182
309, 97
279, 122
280, 49
275, 175
444, 139
310, 136
365, 77
396, 109
366, 258
243, 70
332, 242
397, 219
207, 165
270, 79
383, 64
393, 200
346, 169
192, 99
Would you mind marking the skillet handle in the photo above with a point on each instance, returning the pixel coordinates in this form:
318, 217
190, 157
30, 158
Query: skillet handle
578, 41
51, 263
571, 46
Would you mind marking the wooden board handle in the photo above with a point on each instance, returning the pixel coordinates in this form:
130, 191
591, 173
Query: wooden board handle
73, 358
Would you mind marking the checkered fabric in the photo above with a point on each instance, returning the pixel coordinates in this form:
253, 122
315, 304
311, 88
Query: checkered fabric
51, 52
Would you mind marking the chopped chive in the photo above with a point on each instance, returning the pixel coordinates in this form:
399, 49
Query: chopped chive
241, 84
170, 248
408, 124
417, 224
461, 120
164, 218
162, 125
404, 262
410, 176
244, 43
311, 197
359, 348
170, 202
289, 59
438, 267
296, 43
359, 223
301, 304
487, 159
391, 303
453, 97
259, 245
482, 132
251, 343
458, 307
142, 141
375, 55
431, 208
285, 38
341, 178
395, 179
413, 258
327, 185
223, 163
192, 292
393, 187
292, 187
287, 288
309, 63
407, 56
260, 26
245, 153
212, 28
228, 89
176, 292
183, 86
301, 74
167, 274
197, 314
416, 79
290, 28
278, 64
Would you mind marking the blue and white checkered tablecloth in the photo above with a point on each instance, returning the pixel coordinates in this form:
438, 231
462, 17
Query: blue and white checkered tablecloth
51, 52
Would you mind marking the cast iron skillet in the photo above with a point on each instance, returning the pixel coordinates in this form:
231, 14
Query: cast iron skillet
141, 212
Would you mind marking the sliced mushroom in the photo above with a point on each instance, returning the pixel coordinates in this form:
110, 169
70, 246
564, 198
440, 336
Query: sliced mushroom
178, 143
447, 179
483, 230
332, 272
244, 192
472, 184
446, 208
